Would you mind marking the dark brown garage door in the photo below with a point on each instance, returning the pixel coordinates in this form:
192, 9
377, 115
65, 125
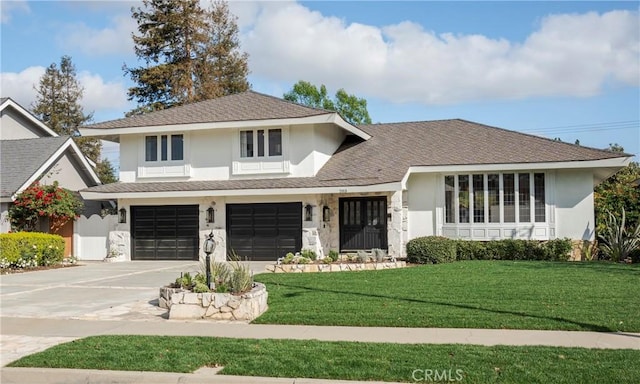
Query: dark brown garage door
167, 232
264, 231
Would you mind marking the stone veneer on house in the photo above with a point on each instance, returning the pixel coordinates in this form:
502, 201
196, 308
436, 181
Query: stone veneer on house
215, 306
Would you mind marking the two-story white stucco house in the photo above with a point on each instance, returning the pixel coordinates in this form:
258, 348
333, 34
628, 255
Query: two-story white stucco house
269, 177
30, 151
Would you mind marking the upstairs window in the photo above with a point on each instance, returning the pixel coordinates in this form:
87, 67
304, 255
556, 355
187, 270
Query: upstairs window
261, 143
171, 147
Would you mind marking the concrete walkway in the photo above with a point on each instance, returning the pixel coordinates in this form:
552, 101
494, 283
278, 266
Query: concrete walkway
45, 308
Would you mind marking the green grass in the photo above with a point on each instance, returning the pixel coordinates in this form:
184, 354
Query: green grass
341, 360
471, 294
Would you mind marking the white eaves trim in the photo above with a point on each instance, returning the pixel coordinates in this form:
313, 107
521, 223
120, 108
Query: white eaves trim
157, 129
51, 160
616, 162
8, 102
387, 187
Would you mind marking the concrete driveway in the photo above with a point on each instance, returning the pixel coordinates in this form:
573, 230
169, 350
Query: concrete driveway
93, 290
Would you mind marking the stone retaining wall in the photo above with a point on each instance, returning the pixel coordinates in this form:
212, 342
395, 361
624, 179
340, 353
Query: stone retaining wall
216, 306
338, 267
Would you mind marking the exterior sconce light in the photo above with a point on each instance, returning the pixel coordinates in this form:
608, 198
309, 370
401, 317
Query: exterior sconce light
308, 212
326, 214
211, 215
122, 215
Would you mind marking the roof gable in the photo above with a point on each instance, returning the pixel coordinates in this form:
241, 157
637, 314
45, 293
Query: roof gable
23, 161
41, 128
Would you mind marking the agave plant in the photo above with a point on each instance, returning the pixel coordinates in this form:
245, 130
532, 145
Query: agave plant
618, 242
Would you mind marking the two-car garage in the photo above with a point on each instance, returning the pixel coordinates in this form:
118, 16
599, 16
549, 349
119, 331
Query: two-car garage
262, 231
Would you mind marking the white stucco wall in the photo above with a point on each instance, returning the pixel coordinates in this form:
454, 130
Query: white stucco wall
422, 196
326, 140
14, 125
574, 210
64, 172
215, 154
4, 219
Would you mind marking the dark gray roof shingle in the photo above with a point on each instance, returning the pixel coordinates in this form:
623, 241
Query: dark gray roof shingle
393, 148
20, 159
248, 105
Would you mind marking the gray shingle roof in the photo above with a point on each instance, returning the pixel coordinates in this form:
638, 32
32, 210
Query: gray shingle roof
248, 105
20, 159
393, 148
2, 100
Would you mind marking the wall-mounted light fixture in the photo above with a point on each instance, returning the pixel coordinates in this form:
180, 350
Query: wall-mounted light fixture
308, 212
211, 215
326, 214
122, 215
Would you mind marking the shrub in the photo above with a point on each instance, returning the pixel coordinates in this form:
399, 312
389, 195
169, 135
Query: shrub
557, 249
618, 242
200, 287
288, 258
334, 255
29, 249
431, 250
241, 279
309, 254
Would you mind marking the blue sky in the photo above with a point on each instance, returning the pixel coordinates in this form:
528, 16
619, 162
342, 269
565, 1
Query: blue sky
557, 69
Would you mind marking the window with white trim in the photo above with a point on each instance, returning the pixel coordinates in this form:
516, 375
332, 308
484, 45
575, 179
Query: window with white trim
261, 143
170, 148
494, 198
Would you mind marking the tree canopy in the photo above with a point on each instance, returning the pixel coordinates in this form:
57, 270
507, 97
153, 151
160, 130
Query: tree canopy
58, 98
189, 53
351, 107
618, 192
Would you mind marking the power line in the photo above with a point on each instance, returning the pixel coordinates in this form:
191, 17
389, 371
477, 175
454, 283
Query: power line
595, 127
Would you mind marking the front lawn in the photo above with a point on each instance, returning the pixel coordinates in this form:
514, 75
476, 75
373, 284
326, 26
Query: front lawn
343, 360
470, 294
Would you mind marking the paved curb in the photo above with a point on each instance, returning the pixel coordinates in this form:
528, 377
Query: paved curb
82, 376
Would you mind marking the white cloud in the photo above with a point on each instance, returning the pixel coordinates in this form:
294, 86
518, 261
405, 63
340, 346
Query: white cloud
568, 55
8, 7
99, 95
114, 39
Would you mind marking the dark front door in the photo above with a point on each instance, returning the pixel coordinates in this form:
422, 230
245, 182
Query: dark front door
264, 231
363, 223
166, 232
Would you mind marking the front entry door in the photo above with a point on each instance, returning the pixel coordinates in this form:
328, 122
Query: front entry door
363, 223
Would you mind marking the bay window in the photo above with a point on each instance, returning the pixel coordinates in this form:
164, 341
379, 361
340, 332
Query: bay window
494, 198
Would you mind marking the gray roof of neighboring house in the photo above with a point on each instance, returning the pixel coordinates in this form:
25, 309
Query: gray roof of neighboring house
248, 105
2, 100
20, 159
393, 148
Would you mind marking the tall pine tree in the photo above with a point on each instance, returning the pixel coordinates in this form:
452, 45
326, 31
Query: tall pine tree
189, 53
58, 105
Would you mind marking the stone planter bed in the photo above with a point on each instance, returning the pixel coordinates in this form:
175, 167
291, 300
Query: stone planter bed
184, 304
337, 267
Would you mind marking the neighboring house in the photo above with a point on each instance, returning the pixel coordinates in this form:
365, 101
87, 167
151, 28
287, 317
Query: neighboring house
30, 151
268, 177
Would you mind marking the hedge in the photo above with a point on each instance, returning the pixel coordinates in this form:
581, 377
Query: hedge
431, 250
434, 249
30, 249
